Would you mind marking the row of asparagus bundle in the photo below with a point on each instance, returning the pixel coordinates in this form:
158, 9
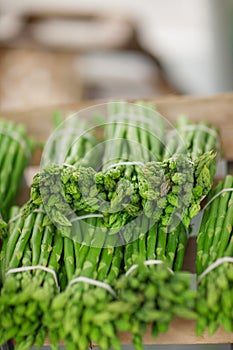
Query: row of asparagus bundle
82, 312
140, 204
215, 241
169, 190
16, 148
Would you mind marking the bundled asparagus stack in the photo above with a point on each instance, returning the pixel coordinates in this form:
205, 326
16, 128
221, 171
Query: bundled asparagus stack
77, 314
71, 144
16, 149
126, 186
152, 294
149, 293
32, 241
196, 141
193, 139
27, 294
140, 200
64, 190
215, 241
138, 133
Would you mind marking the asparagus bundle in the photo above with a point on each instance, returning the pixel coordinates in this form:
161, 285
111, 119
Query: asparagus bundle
192, 139
82, 304
16, 149
152, 294
126, 187
77, 314
27, 294
31, 242
195, 141
142, 130
134, 132
64, 190
72, 143
214, 242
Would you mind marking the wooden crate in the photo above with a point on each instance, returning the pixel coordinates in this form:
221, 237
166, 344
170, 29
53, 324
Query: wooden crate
219, 111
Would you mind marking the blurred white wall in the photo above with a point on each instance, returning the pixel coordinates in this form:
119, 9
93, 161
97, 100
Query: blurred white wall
192, 39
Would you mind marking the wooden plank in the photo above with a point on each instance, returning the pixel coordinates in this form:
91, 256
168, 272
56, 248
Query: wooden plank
180, 332
218, 110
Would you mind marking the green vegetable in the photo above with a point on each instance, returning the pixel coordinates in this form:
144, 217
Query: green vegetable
16, 149
215, 241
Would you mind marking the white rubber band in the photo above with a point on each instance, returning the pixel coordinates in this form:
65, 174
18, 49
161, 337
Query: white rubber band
147, 263
225, 259
69, 165
16, 137
230, 189
36, 267
196, 221
86, 217
174, 158
41, 211
93, 283
125, 163
20, 214
16, 217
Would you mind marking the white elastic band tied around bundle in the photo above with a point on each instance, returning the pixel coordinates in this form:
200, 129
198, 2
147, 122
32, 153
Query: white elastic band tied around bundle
36, 267
220, 261
147, 263
230, 189
174, 158
93, 282
196, 222
126, 163
88, 216
69, 165
16, 217
16, 137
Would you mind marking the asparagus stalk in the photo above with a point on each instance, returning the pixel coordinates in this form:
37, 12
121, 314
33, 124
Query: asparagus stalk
16, 149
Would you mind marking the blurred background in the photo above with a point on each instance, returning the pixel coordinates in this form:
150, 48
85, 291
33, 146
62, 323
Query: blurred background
59, 52
55, 52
